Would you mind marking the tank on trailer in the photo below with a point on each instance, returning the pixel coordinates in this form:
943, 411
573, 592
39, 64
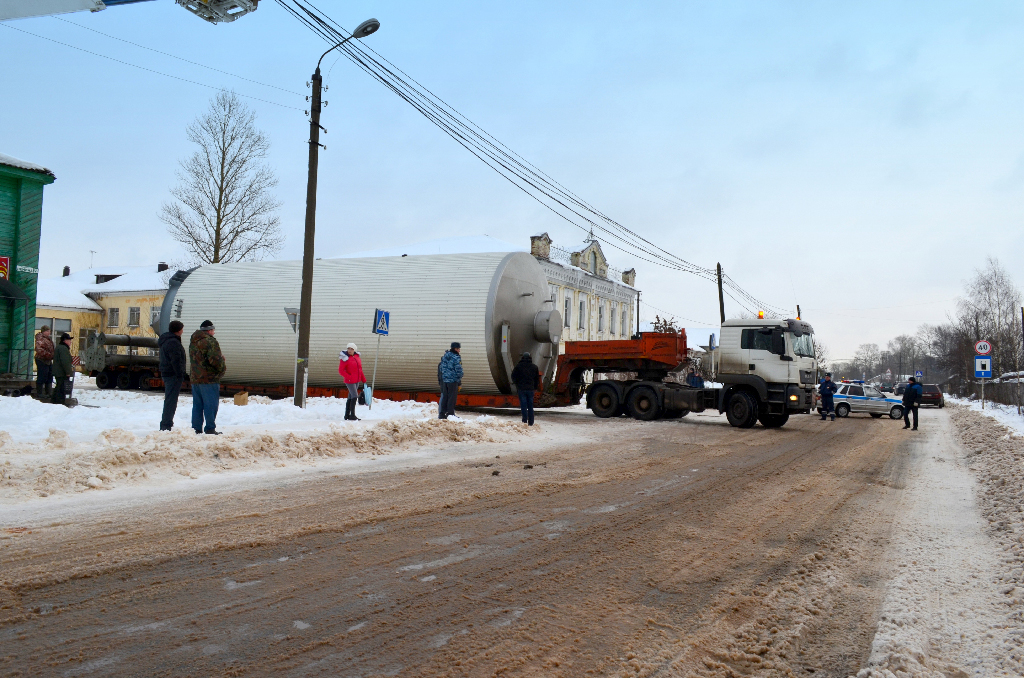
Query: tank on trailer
496, 305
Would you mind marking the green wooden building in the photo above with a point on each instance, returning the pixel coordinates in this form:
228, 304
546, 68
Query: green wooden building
21, 216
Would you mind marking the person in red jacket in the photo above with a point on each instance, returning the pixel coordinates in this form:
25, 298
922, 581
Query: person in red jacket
350, 367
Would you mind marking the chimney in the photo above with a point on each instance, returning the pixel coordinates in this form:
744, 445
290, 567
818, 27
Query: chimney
161, 267
67, 271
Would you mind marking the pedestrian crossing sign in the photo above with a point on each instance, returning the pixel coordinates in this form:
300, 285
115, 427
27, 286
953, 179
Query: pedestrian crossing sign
982, 367
381, 321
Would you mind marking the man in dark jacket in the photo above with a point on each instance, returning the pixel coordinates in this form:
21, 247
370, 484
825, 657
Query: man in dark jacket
63, 371
172, 369
207, 368
526, 377
450, 375
827, 389
911, 400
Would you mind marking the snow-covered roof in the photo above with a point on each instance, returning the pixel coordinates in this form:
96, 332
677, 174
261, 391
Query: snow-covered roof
63, 293
70, 291
470, 244
21, 164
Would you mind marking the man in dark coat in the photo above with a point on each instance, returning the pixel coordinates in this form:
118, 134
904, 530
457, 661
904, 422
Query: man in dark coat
172, 369
911, 400
63, 371
449, 373
526, 377
827, 389
208, 367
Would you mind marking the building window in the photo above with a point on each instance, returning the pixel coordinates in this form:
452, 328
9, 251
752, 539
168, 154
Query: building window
625, 318
84, 337
593, 262
553, 293
56, 325
154, 315
611, 321
600, 316
134, 316
567, 320
583, 314
113, 317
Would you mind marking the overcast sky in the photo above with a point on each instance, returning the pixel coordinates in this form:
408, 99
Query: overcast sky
858, 159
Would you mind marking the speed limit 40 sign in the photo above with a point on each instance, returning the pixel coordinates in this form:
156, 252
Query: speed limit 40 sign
982, 347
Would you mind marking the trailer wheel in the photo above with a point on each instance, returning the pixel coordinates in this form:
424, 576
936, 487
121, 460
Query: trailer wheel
642, 404
604, 402
742, 410
124, 381
773, 420
105, 380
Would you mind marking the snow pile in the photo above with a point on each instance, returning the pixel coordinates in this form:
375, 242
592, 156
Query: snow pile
117, 458
1004, 414
27, 420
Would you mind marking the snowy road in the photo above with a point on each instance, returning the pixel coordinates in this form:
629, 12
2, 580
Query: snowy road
600, 547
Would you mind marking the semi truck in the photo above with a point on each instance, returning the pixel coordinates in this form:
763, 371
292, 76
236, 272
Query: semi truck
766, 369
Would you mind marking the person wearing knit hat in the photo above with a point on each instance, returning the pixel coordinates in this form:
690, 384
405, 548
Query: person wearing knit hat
449, 377
350, 367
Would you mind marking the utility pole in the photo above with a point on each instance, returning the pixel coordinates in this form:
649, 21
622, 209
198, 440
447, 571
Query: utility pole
306, 296
721, 299
798, 311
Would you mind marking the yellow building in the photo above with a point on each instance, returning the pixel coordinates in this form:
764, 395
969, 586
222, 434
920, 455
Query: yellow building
112, 300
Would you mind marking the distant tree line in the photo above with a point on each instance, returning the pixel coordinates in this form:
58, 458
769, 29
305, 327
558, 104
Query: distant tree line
990, 309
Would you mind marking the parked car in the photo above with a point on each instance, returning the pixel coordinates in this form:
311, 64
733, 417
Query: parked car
932, 396
852, 397
886, 387
900, 388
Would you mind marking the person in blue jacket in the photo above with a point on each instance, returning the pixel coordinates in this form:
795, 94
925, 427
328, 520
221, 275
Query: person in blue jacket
827, 388
449, 375
911, 401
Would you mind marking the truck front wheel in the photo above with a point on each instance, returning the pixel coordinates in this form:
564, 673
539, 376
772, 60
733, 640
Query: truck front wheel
742, 410
773, 420
604, 402
642, 404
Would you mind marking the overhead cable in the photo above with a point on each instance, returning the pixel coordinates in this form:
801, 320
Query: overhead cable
510, 165
143, 68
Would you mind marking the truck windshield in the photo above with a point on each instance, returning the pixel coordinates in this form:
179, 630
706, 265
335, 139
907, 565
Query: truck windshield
804, 345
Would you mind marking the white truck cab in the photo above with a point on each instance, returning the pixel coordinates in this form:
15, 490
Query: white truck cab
770, 360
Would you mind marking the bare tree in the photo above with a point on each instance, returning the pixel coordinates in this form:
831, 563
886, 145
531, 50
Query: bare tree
224, 210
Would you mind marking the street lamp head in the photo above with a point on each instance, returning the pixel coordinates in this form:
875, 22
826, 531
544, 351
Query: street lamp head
368, 27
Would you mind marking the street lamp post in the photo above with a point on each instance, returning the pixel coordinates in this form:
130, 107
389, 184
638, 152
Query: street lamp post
364, 29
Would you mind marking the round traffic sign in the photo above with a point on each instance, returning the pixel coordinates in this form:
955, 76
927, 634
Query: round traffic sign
983, 347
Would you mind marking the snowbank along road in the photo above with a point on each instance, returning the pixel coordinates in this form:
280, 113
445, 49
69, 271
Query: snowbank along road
672, 548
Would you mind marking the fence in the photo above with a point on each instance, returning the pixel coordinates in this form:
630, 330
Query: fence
1006, 393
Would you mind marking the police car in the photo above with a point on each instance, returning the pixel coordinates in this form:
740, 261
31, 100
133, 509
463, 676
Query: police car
856, 396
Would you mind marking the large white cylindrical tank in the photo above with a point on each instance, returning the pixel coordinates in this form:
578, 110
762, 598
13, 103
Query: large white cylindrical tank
433, 300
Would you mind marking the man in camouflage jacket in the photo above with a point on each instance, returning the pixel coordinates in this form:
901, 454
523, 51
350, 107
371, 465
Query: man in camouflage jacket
207, 368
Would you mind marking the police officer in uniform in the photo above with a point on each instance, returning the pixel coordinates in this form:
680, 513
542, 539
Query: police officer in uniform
827, 389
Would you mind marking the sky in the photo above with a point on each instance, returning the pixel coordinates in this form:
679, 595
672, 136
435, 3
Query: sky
858, 159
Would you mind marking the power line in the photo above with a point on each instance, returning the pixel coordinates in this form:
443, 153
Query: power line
174, 56
511, 166
143, 68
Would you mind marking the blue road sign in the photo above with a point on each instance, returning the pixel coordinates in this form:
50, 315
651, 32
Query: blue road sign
381, 321
982, 367
918, 374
